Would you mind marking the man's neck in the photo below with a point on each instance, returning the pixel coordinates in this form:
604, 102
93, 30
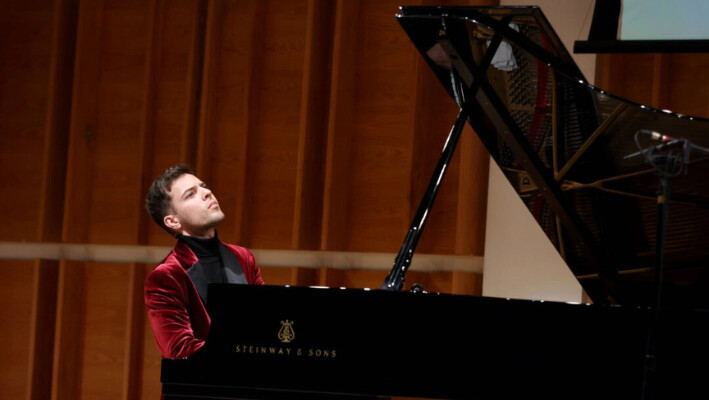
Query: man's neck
201, 247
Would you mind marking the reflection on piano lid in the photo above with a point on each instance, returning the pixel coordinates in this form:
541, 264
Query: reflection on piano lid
578, 156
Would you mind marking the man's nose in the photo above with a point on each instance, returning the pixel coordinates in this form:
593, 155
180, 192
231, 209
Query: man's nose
206, 193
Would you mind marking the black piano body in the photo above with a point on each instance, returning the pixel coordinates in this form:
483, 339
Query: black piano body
272, 342
578, 159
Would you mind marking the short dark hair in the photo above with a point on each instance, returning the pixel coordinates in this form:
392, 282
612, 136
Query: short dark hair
157, 202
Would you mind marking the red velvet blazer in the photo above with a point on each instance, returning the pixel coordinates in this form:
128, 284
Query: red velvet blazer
179, 319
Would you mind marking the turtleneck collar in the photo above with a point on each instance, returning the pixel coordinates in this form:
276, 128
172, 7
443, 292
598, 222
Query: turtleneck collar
202, 247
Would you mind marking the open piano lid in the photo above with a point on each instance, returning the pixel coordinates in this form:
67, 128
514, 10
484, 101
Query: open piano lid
573, 152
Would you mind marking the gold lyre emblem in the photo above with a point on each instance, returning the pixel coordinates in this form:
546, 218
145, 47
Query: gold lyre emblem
286, 333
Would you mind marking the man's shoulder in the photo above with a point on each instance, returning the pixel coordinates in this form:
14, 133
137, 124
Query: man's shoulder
168, 266
173, 263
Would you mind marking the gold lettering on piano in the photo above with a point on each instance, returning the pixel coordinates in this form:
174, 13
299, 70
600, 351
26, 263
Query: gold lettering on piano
321, 353
285, 351
286, 334
277, 351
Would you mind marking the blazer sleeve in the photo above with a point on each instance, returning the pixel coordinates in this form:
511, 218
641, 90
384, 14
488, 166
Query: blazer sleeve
168, 312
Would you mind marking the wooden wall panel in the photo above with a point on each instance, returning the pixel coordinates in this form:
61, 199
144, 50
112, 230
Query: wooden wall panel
433, 116
95, 354
304, 277
278, 276
630, 76
253, 97
397, 117
471, 200
115, 145
351, 278
68, 336
315, 122
134, 321
104, 331
661, 81
381, 147
83, 124
172, 110
456, 224
341, 118
149, 386
36, 53
687, 81
25, 48
42, 328
274, 141
54, 154
467, 283
149, 93
455, 282
227, 107
15, 326
676, 81
637, 81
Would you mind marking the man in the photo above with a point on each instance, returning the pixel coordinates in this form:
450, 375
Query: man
176, 290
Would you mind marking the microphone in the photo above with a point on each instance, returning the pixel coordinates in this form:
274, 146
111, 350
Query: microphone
655, 135
666, 142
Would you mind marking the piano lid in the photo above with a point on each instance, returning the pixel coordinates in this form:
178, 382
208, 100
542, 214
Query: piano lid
583, 160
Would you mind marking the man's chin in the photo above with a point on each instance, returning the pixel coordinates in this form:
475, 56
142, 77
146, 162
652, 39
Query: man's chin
216, 219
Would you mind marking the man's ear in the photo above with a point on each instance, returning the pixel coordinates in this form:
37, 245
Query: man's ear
172, 222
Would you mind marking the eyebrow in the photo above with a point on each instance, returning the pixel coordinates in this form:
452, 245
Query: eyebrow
193, 187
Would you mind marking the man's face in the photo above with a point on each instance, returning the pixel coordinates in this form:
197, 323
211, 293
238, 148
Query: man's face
195, 210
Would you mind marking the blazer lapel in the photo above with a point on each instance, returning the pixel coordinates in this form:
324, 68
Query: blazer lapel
232, 266
199, 279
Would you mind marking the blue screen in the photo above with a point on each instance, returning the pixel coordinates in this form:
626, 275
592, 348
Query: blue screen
664, 20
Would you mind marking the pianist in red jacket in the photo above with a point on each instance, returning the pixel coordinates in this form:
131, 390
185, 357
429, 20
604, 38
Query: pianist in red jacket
176, 290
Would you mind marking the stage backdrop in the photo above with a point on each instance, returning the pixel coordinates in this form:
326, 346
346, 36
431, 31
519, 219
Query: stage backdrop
316, 124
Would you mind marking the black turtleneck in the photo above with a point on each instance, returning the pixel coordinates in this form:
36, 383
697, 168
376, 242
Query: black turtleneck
207, 251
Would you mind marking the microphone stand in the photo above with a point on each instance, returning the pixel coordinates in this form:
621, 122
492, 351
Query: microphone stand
673, 165
650, 361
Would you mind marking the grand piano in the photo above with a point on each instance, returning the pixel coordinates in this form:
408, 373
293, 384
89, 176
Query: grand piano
619, 188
